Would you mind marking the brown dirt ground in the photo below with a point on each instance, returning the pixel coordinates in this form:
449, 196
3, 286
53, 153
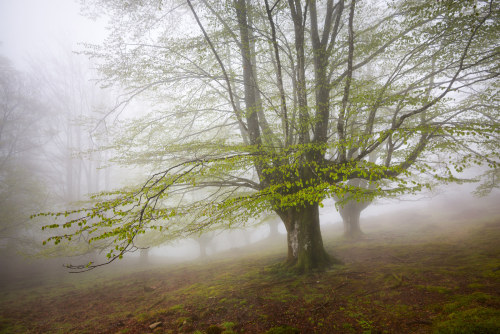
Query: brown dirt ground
390, 282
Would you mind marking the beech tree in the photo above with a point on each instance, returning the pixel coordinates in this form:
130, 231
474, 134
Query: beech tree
258, 105
350, 211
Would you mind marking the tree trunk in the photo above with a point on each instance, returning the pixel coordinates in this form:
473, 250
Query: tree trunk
351, 211
273, 229
305, 244
350, 214
144, 255
204, 241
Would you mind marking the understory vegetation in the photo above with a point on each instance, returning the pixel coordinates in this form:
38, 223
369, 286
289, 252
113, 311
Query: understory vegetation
426, 273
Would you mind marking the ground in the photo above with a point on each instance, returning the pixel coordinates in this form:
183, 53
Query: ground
412, 273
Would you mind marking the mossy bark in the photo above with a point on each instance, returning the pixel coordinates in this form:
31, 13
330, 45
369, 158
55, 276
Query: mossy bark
305, 244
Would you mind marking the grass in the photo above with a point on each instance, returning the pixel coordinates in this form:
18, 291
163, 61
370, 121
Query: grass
438, 289
394, 281
477, 312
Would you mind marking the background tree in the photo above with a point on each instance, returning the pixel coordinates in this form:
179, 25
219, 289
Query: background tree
258, 105
46, 110
204, 241
74, 103
350, 210
22, 191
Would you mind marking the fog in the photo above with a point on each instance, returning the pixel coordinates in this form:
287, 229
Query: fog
127, 156
31, 29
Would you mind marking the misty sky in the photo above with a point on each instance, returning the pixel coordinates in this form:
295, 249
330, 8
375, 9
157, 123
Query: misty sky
34, 28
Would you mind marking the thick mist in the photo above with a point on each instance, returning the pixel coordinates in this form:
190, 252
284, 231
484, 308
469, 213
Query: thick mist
199, 167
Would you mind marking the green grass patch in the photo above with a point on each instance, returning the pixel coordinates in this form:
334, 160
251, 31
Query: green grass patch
433, 288
283, 330
477, 312
281, 294
479, 320
475, 286
10, 326
179, 308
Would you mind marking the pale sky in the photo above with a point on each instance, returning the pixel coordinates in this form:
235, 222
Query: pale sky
33, 28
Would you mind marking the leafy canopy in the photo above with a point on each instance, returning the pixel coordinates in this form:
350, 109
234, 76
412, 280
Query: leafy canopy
264, 106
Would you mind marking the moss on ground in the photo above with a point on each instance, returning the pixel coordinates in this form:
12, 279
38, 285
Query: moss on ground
478, 320
387, 285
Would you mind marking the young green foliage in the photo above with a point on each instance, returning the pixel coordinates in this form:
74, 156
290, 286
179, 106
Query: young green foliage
264, 107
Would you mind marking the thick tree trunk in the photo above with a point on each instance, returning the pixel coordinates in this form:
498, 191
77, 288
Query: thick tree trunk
350, 215
351, 211
305, 244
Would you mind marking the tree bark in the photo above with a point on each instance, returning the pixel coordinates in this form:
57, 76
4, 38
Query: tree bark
351, 211
301, 80
305, 244
248, 78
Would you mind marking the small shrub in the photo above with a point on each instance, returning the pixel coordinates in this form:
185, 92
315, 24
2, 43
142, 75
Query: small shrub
438, 289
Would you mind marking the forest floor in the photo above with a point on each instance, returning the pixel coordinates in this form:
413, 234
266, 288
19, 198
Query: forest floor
415, 273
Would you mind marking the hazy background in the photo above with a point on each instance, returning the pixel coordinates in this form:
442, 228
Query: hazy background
39, 28
35, 33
